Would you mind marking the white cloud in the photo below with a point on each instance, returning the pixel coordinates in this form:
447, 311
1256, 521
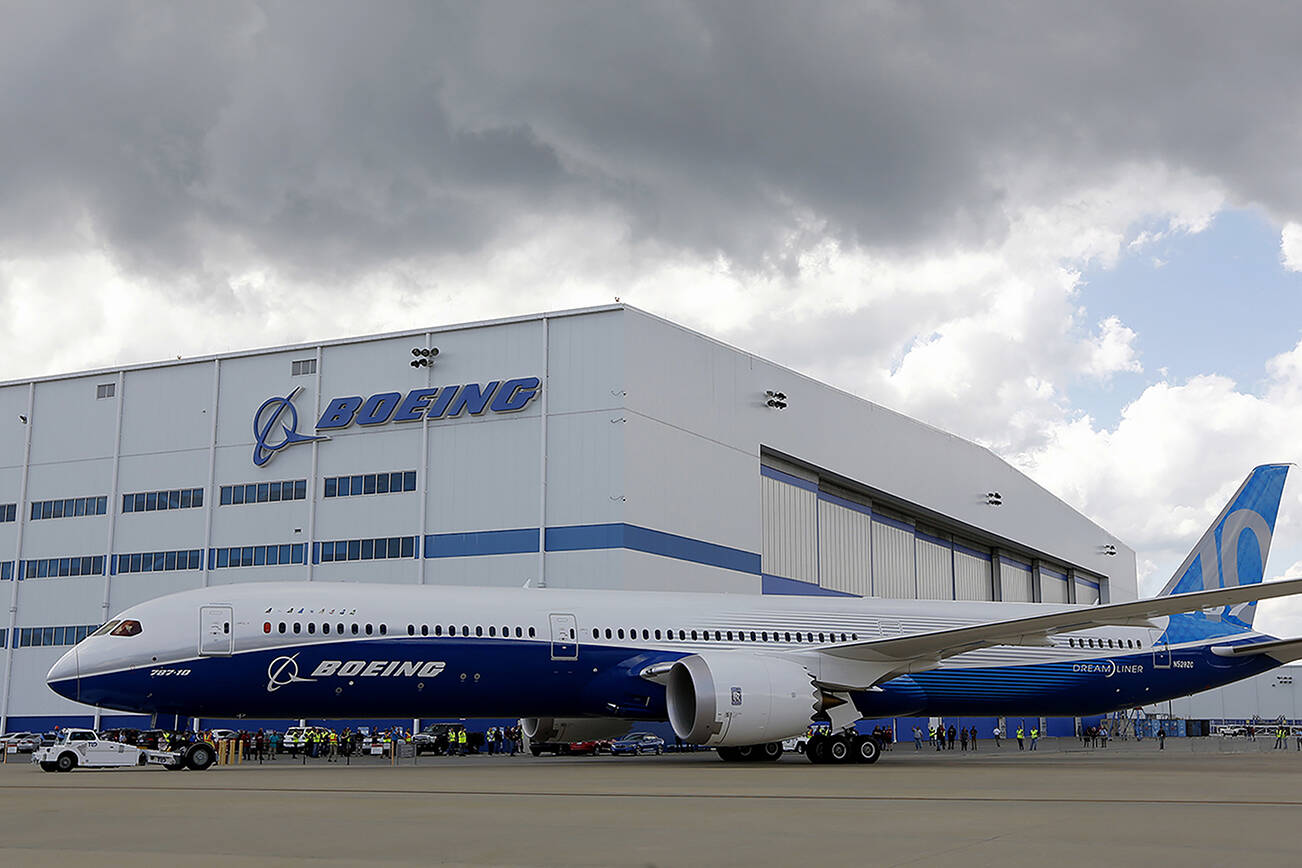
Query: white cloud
1290, 246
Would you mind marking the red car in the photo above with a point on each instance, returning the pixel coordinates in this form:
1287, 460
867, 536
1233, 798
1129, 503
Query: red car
588, 748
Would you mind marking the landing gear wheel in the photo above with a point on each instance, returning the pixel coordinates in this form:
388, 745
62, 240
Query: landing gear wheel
199, 757
65, 763
772, 751
838, 749
866, 749
747, 752
816, 750
728, 754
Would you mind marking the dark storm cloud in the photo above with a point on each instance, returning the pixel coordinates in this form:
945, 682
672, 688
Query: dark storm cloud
333, 138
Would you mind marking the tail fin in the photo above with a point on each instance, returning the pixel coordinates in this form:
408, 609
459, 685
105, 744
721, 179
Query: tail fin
1226, 555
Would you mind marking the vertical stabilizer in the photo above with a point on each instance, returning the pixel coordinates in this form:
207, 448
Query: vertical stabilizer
1233, 550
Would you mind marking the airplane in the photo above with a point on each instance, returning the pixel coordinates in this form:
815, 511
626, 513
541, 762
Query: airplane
739, 673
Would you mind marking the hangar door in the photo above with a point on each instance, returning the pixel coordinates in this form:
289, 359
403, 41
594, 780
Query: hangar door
215, 634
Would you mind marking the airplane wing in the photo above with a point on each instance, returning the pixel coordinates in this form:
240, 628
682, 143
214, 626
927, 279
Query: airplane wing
1283, 650
1036, 629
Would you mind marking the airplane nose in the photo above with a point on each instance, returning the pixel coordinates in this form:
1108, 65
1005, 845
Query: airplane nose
64, 676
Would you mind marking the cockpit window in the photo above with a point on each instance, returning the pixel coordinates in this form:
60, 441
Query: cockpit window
127, 628
103, 631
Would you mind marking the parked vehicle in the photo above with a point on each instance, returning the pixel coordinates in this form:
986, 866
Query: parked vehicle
21, 742
637, 743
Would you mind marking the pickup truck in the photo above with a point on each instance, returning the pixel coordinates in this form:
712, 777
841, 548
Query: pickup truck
85, 748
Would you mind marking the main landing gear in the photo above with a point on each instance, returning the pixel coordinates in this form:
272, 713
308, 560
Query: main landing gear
843, 748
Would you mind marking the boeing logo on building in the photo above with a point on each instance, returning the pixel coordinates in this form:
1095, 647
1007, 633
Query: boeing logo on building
441, 402
265, 445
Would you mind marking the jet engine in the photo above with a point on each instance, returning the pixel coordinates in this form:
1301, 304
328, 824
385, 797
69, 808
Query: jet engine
566, 729
730, 699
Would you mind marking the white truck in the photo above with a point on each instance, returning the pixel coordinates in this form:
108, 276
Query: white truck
86, 749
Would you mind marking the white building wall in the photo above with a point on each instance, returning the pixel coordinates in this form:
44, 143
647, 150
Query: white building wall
640, 461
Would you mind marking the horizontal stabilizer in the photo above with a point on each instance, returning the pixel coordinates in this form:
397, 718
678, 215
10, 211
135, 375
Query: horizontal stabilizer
1283, 650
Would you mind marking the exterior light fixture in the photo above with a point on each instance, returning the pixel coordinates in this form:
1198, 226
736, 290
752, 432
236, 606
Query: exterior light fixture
776, 400
424, 356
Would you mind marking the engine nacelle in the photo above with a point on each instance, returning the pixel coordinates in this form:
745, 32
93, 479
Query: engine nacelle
567, 729
728, 699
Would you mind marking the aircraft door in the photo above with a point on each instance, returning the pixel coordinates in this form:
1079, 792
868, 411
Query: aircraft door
1161, 650
565, 637
216, 631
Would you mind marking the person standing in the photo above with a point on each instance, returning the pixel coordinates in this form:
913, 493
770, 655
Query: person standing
1021, 745
917, 737
998, 733
962, 738
952, 734
972, 734
1035, 736
1161, 738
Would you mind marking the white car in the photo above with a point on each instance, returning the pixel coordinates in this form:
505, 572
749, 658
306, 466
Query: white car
84, 748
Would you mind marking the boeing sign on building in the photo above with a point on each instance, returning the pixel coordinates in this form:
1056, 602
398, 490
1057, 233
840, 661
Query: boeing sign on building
441, 402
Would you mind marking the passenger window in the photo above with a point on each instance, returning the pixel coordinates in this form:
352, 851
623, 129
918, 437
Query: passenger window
465, 630
384, 629
479, 631
325, 628
311, 627
620, 632
438, 629
298, 628
354, 629
657, 634
646, 634
368, 629
281, 627
339, 628
693, 635
608, 633
820, 637
765, 635
266, 627
788, 635
531, 632
518, 632
492, 631
411, 629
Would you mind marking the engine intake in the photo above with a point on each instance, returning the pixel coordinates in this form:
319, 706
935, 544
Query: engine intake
730, 698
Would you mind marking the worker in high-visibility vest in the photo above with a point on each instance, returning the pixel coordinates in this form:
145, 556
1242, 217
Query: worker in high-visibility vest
1021, 745
462, 741
1035, 736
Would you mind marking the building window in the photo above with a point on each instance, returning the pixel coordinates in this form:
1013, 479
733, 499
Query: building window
381, 548
302, 367
150, 501
31, 637
155, 562
8, 512
69, 507
263, 492
256, 556
370, 483
105, 390
53, 568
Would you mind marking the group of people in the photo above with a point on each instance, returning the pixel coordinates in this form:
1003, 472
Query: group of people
1281, 737
943, 739
1095, 736
503, 740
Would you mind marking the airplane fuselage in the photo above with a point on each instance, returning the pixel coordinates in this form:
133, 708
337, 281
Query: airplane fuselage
336, 650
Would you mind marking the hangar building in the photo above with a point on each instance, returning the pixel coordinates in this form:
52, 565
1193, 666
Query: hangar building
594, 448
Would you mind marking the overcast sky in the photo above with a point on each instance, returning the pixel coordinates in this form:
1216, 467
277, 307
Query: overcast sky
1072, 232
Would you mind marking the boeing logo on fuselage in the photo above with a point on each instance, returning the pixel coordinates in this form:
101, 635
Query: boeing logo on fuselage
440, 402
378, 668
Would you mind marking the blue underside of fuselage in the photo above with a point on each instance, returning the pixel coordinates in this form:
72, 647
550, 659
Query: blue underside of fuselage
507, 678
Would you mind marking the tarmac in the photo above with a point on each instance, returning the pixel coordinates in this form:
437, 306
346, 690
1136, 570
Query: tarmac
1062, 805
